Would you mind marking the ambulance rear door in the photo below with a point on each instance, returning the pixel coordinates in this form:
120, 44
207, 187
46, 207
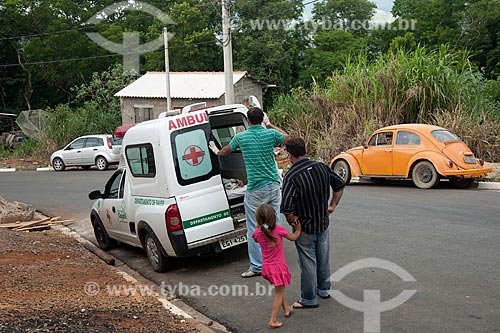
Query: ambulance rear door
199, 192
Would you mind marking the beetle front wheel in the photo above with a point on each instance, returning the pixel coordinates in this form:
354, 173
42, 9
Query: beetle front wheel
341, 168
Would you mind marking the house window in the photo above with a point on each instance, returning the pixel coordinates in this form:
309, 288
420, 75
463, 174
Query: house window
143, 113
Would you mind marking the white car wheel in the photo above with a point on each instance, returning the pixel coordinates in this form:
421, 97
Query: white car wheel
101, 163
58, 164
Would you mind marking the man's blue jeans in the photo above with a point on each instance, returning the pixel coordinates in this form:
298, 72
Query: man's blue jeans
270, 194
314, 260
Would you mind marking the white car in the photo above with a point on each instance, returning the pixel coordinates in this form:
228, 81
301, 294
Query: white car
87, 151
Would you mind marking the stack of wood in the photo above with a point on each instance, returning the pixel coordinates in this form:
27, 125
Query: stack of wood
41, 224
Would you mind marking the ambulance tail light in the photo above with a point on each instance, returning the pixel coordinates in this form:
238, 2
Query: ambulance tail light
173, 219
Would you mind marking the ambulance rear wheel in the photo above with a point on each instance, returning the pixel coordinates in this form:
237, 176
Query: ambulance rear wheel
153, 249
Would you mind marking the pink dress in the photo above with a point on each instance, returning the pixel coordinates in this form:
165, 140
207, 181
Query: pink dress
274, 267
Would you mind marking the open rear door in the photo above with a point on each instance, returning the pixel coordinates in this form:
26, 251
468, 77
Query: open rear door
200, 195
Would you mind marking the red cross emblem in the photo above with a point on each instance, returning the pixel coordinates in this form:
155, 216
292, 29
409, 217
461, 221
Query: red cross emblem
193, 155
108, 216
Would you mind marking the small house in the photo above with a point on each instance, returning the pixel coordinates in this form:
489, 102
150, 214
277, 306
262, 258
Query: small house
145, 98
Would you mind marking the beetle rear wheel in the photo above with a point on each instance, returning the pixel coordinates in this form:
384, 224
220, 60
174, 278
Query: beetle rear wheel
424, 175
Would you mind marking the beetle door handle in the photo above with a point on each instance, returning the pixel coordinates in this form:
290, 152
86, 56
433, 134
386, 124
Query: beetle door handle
388, 150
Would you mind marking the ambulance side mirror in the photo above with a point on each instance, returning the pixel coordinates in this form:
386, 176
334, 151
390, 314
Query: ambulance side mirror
94, 195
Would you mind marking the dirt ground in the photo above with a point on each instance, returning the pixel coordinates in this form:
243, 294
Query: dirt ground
48, 284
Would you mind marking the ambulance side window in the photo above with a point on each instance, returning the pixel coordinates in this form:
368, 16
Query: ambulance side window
113, 185
140, 159
122, 186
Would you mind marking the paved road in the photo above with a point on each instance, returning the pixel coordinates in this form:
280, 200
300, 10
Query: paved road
447, 239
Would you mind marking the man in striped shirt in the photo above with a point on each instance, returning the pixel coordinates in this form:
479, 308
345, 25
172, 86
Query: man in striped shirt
257, 146
306, 189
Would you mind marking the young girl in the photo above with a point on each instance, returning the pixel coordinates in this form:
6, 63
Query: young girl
274, 267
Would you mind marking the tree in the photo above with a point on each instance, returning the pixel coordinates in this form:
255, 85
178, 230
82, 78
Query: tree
266, 41
331, 49
481, 23
43, 37
471, 25
350, 15
193, 46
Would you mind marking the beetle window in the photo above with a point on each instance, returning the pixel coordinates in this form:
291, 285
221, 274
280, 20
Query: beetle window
407, 138
444, 136
381, 139
140, 159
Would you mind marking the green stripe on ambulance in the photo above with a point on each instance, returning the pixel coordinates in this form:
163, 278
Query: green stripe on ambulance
206, 219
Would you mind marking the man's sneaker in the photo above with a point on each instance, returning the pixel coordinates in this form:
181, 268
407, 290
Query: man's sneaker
249, 274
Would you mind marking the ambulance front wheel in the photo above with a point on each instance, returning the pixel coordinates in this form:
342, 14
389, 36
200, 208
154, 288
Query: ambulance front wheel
153, 249
103, 240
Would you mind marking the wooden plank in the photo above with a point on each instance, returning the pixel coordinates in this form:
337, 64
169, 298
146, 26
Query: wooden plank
62, 222
13, 225
34, 223
36, 227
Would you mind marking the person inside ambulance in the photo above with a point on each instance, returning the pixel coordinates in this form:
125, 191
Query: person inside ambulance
257, 146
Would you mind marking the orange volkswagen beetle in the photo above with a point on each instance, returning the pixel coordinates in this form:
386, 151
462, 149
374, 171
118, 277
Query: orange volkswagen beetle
420, 152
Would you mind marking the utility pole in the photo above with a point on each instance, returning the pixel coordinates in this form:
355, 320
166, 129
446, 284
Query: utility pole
228, 52
167, 69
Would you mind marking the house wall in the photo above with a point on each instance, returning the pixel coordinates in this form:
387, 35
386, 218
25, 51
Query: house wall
242, 89
159, 105
247, 87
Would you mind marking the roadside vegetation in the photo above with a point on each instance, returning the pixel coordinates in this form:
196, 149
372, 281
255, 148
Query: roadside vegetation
438, 87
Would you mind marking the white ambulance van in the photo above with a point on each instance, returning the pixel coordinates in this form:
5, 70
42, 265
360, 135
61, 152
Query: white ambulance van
172, 195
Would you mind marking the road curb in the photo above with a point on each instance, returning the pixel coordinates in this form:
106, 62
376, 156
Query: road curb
488, 186
7, 169
200, 321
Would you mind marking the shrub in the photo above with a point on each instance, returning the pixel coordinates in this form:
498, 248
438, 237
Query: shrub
438, 87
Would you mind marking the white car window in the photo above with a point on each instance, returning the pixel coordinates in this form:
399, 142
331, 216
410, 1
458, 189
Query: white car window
80, 143
94, 142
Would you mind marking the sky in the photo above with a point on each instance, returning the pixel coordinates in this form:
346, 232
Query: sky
382, 13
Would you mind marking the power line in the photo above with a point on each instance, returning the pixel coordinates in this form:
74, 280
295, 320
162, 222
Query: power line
99, 57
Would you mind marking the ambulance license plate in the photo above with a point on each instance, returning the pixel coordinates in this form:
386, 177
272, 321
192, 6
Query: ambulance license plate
227, 243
